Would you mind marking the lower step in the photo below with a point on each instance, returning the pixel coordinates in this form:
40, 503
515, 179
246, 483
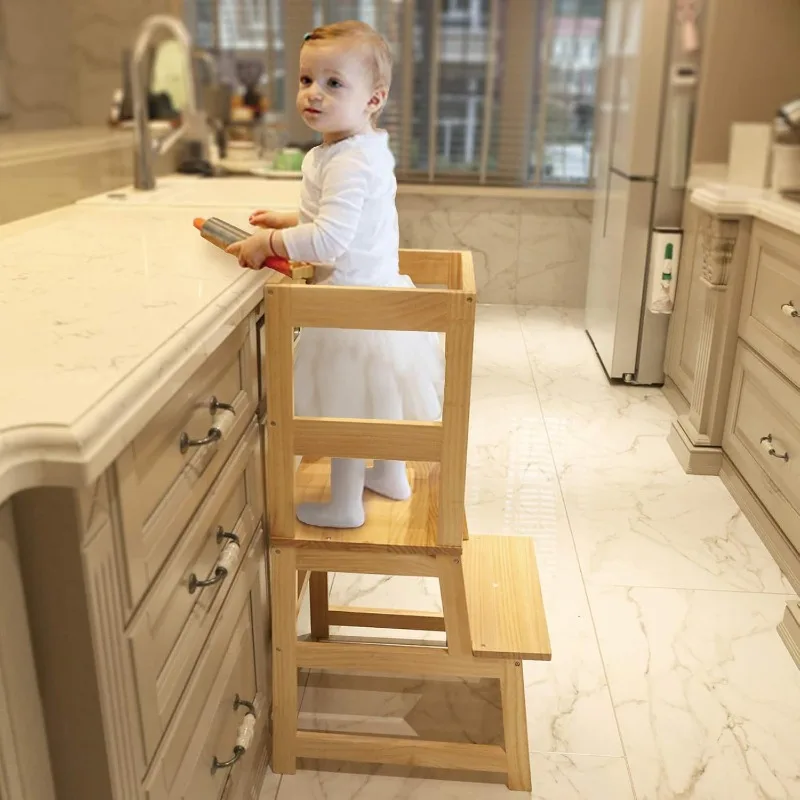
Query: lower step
504, 598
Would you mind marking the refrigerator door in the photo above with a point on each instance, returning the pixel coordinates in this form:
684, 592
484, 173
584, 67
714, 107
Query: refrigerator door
642, 58
617, 272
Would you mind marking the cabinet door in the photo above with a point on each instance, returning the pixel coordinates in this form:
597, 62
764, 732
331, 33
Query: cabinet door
24, 760
684, 332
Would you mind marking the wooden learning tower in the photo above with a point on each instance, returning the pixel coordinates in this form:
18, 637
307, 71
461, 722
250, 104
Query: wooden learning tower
492, 614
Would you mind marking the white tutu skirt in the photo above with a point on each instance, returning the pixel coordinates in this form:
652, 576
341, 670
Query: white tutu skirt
357, 374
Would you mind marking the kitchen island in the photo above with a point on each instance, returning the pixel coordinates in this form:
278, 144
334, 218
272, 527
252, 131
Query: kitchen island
131, 507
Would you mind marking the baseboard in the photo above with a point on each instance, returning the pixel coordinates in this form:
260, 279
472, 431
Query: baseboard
693, 459
675, 397
789, 631
778, 545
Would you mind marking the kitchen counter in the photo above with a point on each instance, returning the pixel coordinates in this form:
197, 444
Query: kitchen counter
727, 200
216, 193
100, 315
131, 432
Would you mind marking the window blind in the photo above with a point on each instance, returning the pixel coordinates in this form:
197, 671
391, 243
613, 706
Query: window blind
493, 92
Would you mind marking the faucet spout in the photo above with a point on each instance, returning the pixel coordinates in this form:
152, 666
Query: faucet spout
145, 149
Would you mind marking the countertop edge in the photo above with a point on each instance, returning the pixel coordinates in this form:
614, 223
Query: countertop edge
726, 200
77, 454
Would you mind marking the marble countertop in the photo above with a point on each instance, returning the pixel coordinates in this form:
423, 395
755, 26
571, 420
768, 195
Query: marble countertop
216, 193
102, 316
725, 199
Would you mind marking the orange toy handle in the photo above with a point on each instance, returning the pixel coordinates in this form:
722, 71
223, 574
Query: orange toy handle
282, 265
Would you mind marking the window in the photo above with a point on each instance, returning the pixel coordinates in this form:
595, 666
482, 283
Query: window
494, 92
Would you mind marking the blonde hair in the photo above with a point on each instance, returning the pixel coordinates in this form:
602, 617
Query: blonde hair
376, 48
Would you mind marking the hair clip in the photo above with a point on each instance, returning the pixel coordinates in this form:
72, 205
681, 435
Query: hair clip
306, 37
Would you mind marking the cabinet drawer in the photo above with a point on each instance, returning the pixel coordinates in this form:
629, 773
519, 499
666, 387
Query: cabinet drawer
771, 296
763, 403
160, 486
206, 725
169, 629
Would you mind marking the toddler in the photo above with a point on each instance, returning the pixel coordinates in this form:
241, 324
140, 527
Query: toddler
347, 223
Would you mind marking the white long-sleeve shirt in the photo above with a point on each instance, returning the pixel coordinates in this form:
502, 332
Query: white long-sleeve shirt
348, 217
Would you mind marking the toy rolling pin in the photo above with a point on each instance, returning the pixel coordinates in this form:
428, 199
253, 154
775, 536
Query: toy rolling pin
222, 234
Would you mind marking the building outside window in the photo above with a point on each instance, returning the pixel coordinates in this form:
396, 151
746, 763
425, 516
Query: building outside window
493, 92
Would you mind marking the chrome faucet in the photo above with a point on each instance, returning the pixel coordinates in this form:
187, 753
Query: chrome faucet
194, 124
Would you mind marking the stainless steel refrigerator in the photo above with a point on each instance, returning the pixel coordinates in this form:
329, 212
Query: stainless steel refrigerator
643, 129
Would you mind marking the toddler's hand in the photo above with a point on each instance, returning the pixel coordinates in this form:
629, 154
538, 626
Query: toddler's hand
252, 251
270, 219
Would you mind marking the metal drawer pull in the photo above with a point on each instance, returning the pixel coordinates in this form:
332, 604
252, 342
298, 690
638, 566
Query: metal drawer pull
225, 563
213, 435
766, 443
790, 309
244, 737
215, 405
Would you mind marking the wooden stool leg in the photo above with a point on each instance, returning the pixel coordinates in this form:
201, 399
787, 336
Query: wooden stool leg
515, 727
454, 606
318, 599
284, 660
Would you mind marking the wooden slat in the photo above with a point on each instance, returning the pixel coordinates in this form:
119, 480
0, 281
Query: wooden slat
455, 279
391, 659
427, 267
515, 727
408, 526
318, 604
283, 577
404, 752
348, 438
302, 584
300, 271
506, 612
374, 562
454, 605
455, 418
365, 308
467, 266
280, 412
355, 617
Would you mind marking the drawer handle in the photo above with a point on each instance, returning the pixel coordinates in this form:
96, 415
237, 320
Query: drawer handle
766, 443
244, 737
213, 435
215, 405
790, 309
225, 563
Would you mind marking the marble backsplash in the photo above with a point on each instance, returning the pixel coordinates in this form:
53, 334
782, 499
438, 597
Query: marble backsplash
63, 58
527, 251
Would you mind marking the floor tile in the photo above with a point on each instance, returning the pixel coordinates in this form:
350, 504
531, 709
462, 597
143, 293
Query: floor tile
554, 777
707, 697
499, 349
676, 531
269, 789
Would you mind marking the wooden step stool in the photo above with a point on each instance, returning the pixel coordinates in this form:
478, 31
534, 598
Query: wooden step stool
492, 607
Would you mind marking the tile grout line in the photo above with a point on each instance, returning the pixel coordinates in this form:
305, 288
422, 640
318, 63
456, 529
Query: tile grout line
577, 559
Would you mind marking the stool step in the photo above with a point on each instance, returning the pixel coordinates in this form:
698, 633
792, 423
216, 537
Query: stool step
504, 599
409, 526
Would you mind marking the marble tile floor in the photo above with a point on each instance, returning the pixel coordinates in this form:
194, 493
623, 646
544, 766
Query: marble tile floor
668, 679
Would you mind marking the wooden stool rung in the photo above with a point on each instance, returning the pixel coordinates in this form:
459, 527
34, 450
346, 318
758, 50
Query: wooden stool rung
352, 617
400, 751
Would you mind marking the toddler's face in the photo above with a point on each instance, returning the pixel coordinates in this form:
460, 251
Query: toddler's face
336, 95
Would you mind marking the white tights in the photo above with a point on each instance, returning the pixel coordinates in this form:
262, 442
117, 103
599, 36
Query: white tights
349, 476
